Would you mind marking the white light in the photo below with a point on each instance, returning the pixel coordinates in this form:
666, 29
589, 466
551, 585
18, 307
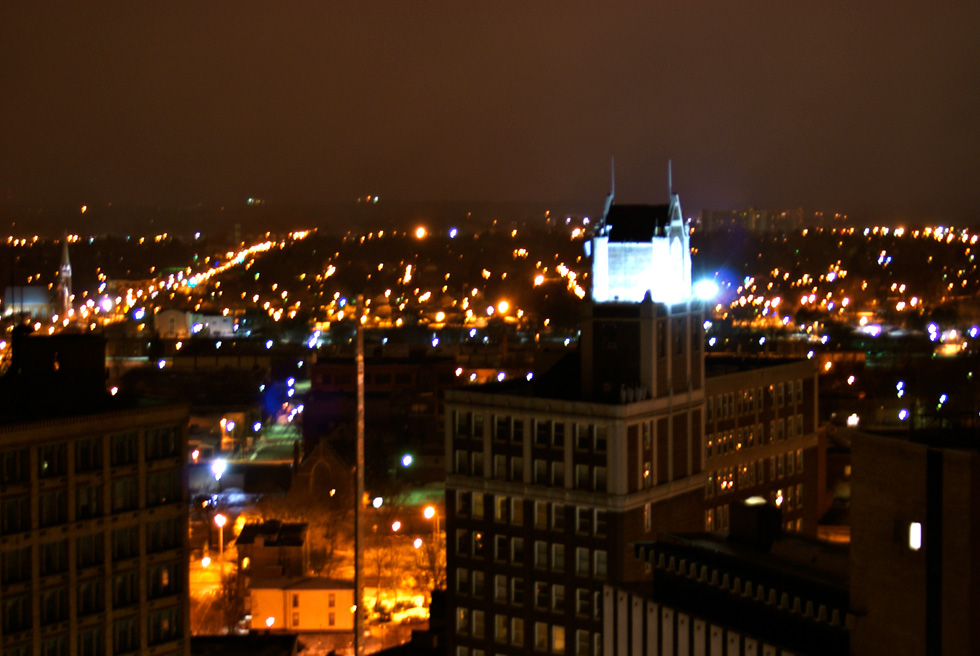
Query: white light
257, 426
220, 520
230, 426
161, 364
269, 621
290, 382
705, 289
218, 468
712, 341
852, 420
915, 536
452, 233
417, 543
106, 304
530, 376
903, 414
377, 502
501, 376
268, 344
435, 342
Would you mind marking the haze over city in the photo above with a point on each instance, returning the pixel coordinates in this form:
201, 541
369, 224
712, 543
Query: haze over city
868, 110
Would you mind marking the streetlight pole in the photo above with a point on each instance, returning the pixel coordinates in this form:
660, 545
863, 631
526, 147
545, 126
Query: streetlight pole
359, 494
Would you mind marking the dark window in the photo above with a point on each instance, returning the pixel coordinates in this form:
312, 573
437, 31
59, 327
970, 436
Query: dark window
89, 550
124, 494
91, 597
161, 443
53, 557
16, 515
16, 566
123, 449
88, 454
53, 507
16, 465
163, 487
125, 589
88, 501
125, 542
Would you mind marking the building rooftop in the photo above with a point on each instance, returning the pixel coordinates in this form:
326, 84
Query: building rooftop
301, 583
273, 534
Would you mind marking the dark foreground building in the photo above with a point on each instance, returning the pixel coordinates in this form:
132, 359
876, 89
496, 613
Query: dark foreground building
93, 510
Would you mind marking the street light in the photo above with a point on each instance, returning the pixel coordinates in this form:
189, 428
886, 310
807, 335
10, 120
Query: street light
220, 521
429, 512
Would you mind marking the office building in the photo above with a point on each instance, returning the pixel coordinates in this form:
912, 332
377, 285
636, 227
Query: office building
93, 510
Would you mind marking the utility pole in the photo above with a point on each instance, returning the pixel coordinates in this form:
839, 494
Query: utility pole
359, 494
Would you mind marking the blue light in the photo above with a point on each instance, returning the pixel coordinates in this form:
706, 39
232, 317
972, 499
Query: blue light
452, 233
139, 313
257, 426
407, 460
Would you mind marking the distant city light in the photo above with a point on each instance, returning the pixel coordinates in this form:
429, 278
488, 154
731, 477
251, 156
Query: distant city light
417, 543
257, 426
407, 460
852, 420
268, 344
903, 414
420, 233
377, 502
395, 525
452, 233
161, 364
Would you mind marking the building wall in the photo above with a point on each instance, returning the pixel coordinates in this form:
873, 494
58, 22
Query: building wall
544, 498
93, 534
912, 600
301, 609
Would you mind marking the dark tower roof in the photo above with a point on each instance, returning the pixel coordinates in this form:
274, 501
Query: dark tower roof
637, 223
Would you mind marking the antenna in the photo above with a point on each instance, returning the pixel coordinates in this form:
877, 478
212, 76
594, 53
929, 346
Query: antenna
612, 175
670, 179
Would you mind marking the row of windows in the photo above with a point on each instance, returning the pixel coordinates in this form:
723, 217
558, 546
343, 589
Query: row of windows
749, 436
544, 432
160, 443
746, 475
542, 595
589, 478
751, 400
161, 488
545, 515
545, 638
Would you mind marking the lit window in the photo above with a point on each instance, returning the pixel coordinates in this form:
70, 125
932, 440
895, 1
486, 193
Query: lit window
915, 536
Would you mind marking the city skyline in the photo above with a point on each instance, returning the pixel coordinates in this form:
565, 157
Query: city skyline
867, 110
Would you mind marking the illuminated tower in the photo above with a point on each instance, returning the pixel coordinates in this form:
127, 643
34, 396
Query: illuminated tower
64, 280
641, 250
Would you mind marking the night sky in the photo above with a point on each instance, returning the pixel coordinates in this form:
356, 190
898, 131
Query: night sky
871, 108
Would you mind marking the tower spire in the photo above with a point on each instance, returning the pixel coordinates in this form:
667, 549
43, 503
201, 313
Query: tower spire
64, 282
612, 190
670, 179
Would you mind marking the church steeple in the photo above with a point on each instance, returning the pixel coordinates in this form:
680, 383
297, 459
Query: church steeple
64, 280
